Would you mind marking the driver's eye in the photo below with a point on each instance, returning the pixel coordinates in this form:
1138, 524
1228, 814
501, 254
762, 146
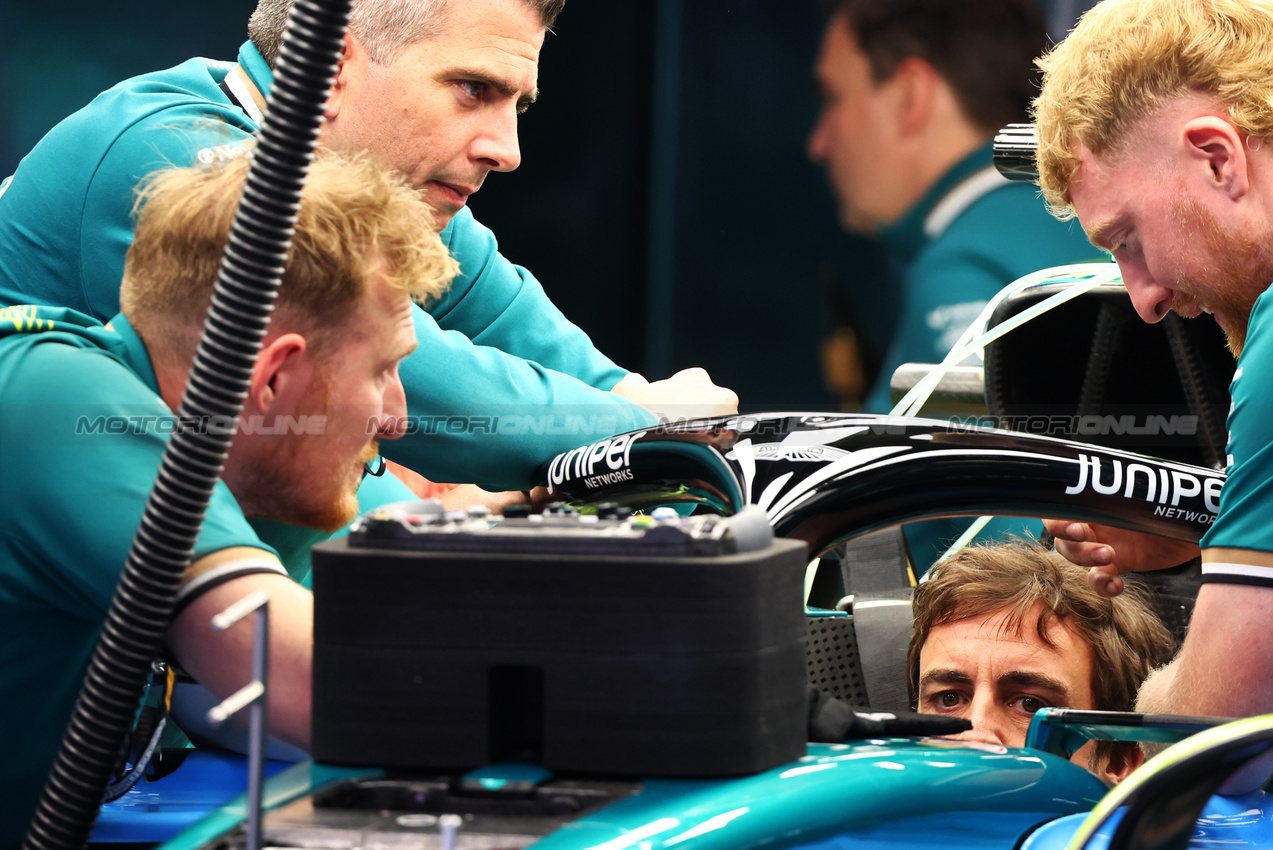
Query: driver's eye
948, 699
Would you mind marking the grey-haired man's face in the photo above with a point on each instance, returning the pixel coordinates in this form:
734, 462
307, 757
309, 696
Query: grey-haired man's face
444, 112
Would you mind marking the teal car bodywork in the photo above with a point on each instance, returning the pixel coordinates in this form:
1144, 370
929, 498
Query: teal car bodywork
883, 793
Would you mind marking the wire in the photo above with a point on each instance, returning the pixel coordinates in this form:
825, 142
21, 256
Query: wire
1085, 276
118, 789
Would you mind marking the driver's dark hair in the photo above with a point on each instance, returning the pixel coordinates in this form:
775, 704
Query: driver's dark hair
984, 49
1127, 637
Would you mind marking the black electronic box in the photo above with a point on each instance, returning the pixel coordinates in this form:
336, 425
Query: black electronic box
604, 644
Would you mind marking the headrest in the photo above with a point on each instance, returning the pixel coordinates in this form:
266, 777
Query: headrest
1091, 370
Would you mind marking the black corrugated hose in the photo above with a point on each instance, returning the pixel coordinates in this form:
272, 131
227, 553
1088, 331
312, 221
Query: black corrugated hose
219, 380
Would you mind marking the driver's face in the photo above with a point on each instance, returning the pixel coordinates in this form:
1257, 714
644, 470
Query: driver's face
980, 669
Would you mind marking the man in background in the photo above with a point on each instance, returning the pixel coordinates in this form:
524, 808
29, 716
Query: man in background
913, 91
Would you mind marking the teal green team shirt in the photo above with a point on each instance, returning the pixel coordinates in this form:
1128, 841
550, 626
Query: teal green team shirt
971, 234
501, 381
1243, 519
80, 442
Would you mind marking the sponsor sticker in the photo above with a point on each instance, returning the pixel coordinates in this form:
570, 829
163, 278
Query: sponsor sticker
596, 465
1165, 488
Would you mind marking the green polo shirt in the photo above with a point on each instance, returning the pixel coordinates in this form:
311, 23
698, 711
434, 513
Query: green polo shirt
1242, 521
82, 430
501, 381
80, 442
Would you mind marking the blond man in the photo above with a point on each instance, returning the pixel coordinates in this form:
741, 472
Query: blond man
1156, 132
88, 409
1002, 631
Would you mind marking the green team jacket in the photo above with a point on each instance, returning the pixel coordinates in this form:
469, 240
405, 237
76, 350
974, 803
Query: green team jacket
972, 234
1242, 521
81, 434
501, 381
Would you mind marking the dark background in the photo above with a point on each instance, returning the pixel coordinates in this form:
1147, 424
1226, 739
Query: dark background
664, 198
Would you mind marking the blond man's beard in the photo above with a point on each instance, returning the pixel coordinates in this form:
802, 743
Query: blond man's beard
1242, 270
283, 483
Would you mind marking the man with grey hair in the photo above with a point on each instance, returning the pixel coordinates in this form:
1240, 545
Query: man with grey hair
432, 88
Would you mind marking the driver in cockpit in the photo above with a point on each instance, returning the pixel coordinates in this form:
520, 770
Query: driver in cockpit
1002, 631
